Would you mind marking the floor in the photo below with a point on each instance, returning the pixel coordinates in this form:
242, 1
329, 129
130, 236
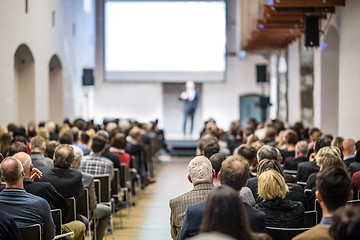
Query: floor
150, 217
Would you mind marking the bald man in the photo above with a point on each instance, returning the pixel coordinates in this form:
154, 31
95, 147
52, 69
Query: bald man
24, 208
348, 149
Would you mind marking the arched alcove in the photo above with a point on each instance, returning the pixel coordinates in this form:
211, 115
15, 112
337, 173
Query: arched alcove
330, 82
56, 91
24, 80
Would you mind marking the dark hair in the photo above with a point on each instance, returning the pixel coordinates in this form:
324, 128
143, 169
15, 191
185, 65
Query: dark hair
346, 223
98, 144
84, 138
216, 161
66, 138
63, 156
119, 141
211, 148
225, 213
50, 148
322, 142
5, 143
248, 152
291, 137
17, 147
234, 172
334, 185
75, 133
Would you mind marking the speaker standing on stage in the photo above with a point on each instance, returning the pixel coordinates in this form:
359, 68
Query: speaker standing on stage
191, 100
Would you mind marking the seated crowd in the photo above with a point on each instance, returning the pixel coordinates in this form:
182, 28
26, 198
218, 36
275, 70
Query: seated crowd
40, 169
289, 173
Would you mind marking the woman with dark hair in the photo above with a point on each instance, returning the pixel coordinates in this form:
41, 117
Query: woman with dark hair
225, 213
346, 223
5, 143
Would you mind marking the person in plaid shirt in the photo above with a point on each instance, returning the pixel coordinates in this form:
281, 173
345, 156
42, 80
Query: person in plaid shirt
94, 163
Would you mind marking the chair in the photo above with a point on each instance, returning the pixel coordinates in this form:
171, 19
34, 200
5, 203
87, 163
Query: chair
291, 172
31, 232
125, 185
115, 190
105, 196
57, 217
302, 184
97, 189
354, 202
72, 203
311, 218
83, 208
284, 233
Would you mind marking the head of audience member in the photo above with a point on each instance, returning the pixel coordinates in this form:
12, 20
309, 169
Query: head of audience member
321, 142
270, 134
267, 164
291, 138
315, 133
50, 126
216, 161
257, 145
251, 139
63, 156
272, 185
268, 152
25, 160
78, 155
346, 223
44, 133
66, 138
235, 172
31, 130
334, 189
104, 134
204, 140
75, 133
329, 157
98, 144
6, 142
200, 170
12, 172
17, 147
211, 148
38, 144
301, 149
224, 212
135, 133
50, 148
119, 141
84, 138
248, 152
348, 147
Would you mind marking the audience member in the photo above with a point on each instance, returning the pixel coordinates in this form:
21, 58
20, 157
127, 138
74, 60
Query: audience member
346, 223
211, 148
37, 147
291, 139
355, 166
348, 149
8, 228
77, 142
249, 153
225, 213
66, 137
334, 190
301, 149
107, 154
216, 161
23, 207
17, 147
50, 149
118, 145
201, 176
279, 212
5, 143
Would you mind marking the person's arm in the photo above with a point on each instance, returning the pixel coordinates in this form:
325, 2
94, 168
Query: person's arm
49, 227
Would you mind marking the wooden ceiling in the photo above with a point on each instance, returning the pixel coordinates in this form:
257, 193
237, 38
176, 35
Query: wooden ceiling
283, 22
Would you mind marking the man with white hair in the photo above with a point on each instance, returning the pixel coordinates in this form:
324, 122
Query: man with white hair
201, 176
301, 149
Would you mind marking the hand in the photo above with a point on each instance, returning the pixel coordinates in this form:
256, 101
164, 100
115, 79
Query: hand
183, 96
35, 173
312, 157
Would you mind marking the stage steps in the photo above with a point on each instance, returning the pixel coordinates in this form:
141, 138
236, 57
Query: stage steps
181, 147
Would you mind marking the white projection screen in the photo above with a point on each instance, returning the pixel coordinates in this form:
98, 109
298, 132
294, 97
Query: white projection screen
165, 41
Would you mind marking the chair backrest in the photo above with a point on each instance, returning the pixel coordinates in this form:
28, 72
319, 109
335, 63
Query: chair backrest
97, 189
82, 204
284, 233
302, 184
291, 172
105, 191
311, 218
57, 217
124, 175
354, 202
31, 232
72, 203
115, 183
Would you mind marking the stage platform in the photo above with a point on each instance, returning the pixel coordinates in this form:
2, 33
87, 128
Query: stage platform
181, 147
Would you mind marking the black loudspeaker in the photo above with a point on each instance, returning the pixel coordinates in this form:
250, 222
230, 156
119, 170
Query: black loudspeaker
88, 77
312, 31
261, 73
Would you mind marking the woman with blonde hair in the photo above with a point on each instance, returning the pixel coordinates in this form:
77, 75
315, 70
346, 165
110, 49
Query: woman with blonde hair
279, 212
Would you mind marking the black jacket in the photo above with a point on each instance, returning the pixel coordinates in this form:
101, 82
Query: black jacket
283, 213
305, 169
291, 163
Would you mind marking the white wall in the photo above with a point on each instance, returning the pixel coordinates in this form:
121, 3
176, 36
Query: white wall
36, 31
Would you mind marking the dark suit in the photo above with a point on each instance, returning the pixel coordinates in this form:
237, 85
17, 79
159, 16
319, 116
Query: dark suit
349, 160
354, 167
49, 193
194, 215
305, 169
291, 163
189, 111
112, 157
67, 182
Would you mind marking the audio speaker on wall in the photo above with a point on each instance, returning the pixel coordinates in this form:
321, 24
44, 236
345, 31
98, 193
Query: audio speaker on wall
312, 31
88, 77
261, 73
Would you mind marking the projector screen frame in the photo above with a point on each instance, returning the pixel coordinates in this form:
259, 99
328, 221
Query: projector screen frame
158, 77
